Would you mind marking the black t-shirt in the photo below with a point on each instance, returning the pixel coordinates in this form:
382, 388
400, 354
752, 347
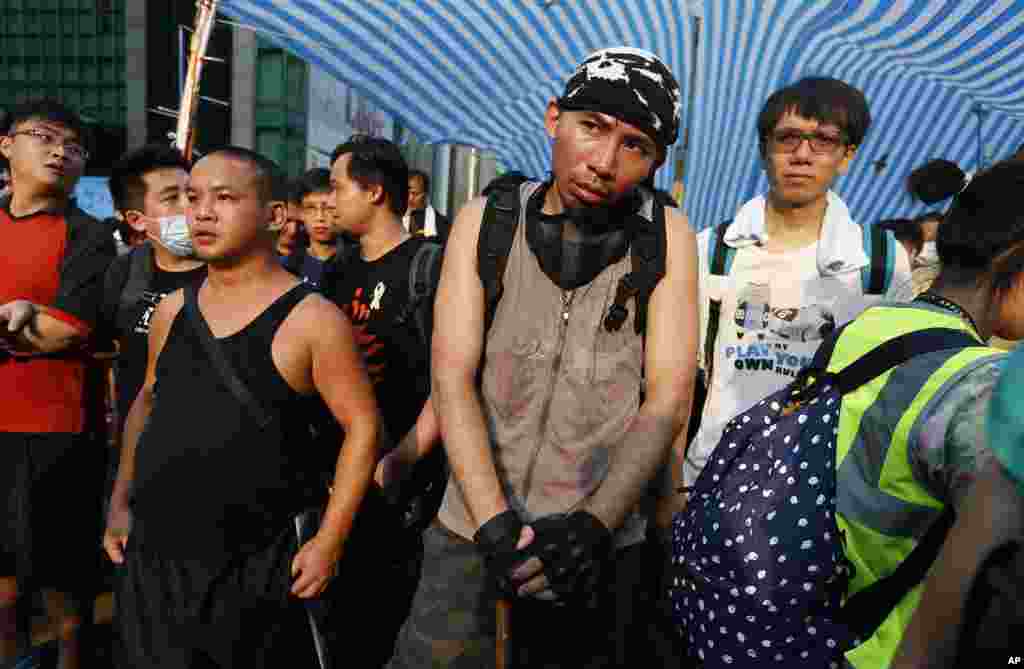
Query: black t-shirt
372, 295
132, 332
312, 271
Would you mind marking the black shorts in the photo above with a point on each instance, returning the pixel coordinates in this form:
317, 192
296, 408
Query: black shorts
51, 531
193, 613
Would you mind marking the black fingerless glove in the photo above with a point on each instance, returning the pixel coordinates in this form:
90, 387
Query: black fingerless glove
574, 548
496, 541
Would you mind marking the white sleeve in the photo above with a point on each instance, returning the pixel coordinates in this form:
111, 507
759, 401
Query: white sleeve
703, 269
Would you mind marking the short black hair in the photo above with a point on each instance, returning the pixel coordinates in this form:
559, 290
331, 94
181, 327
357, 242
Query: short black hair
983, 232
272, 182
936, 180
45, 109
126, 185
423, 176
822, 99
377, 162
316, 180
296, 190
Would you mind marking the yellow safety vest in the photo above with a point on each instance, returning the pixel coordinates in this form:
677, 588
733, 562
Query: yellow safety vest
881, 507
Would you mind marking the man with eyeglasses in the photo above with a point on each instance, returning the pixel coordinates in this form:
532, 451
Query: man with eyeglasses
792, 265
317, 212
51, 470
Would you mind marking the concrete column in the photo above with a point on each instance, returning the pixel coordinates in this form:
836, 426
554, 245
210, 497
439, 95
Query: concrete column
243, 88
135, 74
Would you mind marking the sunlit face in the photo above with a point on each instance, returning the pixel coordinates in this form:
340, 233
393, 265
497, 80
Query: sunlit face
353, 204
801, 176
228, 216
417, 194
44, 155
318, 215
596, 158
165, 196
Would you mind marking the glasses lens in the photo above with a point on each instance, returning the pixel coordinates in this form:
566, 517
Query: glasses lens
824, 143
787, 139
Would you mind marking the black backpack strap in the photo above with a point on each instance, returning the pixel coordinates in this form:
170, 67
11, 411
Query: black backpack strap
880, 246
114, 281
647, 256
497, 232
721, 262
424, 275
140, 275
865, 611
220, 360
894, 353
126, 281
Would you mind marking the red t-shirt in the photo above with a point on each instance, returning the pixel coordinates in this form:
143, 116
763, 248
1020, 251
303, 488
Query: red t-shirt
48, 262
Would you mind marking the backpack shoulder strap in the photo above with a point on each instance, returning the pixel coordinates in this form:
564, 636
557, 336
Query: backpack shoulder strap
497, 232
720, 257
125, 282
720, 254
140, 275
424, 275
865, 611
880, 247
892, 353
647, 251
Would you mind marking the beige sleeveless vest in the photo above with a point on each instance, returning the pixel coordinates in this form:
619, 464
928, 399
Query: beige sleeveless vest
558, 390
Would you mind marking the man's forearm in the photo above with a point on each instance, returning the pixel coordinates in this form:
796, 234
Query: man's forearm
468, 446
133, 425
352, 476
631, 467
422, 438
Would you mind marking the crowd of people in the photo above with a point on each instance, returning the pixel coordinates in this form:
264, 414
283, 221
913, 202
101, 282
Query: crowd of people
313, 423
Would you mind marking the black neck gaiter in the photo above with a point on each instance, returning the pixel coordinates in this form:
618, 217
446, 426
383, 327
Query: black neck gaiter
605, 233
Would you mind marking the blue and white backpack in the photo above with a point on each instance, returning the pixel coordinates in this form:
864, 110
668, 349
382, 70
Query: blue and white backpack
760, 572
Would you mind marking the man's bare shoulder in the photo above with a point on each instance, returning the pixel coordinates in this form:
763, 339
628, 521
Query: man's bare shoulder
318, 312
169, 307
467, 223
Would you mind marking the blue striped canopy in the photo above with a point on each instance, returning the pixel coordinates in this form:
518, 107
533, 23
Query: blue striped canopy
944, 78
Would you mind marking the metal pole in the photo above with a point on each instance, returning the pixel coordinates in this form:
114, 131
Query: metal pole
206, 10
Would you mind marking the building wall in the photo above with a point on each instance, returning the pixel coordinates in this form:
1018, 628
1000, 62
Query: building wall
73, 52
280, 107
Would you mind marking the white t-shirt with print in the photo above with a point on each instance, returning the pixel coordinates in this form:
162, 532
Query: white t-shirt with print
776, 308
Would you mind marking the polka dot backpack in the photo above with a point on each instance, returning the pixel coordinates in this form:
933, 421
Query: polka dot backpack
759, 569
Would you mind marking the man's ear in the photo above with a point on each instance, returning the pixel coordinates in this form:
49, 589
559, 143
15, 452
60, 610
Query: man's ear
5, 146
551, 116
376, 194
134, 219
278, 215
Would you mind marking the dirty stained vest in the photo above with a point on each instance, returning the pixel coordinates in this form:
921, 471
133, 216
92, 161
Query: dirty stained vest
558, 392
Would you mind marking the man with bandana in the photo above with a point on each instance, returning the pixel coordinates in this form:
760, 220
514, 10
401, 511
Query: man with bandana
551, 453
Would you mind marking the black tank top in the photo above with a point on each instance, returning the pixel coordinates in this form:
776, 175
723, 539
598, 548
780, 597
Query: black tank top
209, 481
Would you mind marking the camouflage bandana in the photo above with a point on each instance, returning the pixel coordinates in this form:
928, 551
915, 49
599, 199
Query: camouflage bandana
632, 85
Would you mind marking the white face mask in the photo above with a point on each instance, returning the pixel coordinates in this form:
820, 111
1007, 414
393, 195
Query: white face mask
174, 235
929, 255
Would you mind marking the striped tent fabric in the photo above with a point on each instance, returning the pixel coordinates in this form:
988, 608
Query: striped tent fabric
944, 78
477, 72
